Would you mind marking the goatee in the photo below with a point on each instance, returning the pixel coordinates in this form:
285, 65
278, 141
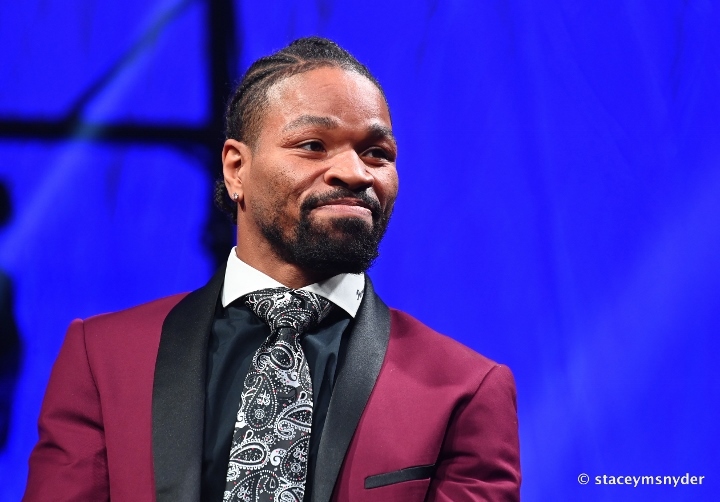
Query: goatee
345, 245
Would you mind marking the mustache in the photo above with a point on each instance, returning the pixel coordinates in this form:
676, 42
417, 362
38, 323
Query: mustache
365, 196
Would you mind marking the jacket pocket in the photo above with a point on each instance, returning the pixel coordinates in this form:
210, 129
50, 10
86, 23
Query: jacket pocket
407, 474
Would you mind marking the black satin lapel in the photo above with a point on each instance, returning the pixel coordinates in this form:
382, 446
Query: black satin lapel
367, 344
178, 407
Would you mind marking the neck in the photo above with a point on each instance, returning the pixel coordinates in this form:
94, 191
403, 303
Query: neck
266, 260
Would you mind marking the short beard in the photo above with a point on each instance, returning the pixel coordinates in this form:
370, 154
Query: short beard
350, 245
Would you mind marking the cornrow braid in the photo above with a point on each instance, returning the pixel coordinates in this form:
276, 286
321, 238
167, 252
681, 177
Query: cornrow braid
247, 104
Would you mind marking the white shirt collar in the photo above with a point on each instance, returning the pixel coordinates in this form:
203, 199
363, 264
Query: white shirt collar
344, 290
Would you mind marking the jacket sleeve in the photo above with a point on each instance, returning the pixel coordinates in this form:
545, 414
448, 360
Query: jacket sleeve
69, 461
480, 457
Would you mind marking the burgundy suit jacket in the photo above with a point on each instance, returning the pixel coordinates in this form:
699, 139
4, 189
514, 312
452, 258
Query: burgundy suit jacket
414, 415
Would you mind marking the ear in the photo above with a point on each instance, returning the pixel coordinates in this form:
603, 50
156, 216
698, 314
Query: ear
236, 157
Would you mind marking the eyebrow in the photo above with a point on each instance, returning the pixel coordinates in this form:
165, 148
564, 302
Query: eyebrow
316, 120
376, 131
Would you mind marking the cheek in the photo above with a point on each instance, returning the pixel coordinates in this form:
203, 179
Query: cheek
281, 187
386, 186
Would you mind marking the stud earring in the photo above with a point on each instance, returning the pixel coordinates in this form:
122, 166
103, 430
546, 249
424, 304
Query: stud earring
235, 196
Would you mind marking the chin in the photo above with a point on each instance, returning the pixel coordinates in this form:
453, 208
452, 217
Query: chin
340, 245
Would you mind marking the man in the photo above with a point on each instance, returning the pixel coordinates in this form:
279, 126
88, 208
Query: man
285, 377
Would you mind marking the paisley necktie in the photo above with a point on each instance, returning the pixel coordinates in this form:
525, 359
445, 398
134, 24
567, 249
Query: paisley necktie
269, 452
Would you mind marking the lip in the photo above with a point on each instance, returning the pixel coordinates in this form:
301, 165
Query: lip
346, 202
350, 207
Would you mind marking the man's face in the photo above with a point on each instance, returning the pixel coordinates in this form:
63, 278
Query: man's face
321, 182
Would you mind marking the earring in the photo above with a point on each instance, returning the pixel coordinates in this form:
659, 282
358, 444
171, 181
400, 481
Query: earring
235, 196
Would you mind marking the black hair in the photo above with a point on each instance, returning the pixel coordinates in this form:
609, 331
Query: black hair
248, 102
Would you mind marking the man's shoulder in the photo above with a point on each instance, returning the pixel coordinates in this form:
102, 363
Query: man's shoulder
149, 312
415, 338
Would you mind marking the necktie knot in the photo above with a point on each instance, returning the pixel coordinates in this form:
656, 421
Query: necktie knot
294, 309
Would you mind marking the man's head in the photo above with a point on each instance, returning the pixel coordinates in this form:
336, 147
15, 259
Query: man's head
309, 161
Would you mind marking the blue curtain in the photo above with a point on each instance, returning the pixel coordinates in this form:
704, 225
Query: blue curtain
559, 173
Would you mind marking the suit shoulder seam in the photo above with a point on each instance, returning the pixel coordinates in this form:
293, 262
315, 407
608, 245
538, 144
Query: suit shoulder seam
87, 359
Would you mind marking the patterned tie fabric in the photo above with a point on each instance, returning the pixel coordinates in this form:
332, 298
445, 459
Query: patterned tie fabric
269, 452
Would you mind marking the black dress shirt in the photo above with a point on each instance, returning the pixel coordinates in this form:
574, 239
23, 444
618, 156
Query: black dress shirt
236, 334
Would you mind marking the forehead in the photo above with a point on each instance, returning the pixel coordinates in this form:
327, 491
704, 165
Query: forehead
345, 96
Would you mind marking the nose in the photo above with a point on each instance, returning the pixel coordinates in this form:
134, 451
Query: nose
348, 170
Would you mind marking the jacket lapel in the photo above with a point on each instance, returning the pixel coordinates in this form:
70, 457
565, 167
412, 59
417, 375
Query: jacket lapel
367, 344
178, 405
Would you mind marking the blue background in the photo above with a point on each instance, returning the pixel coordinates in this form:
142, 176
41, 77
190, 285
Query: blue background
559, 174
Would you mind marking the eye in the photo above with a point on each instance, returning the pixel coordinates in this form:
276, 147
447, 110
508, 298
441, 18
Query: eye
312, 146
378, 153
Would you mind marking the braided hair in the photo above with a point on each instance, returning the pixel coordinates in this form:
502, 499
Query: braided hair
247, 104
